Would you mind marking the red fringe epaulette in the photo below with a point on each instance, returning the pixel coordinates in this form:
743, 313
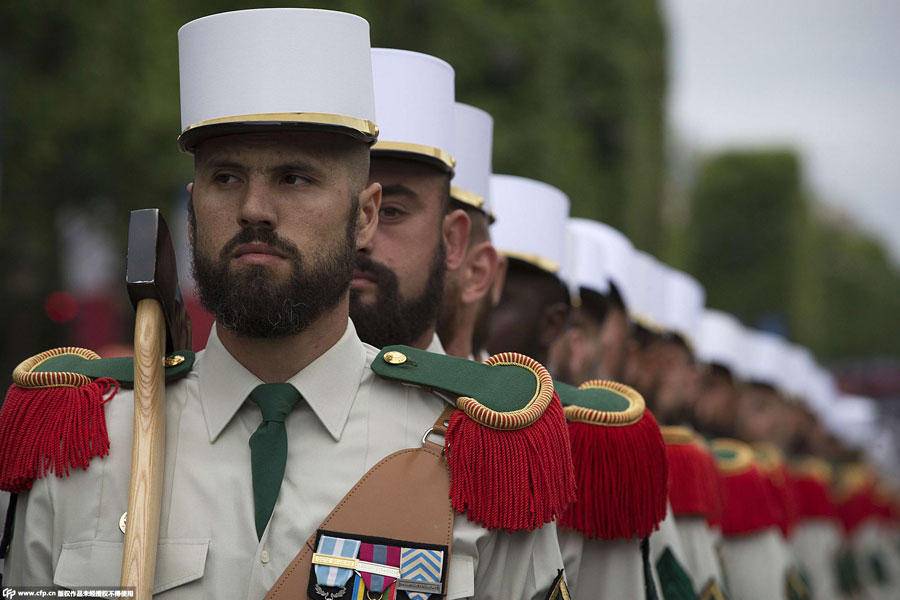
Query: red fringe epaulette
51, 422
694, 485
856, 503
811, 479
748, 504
508, 472
621, 469
778, 485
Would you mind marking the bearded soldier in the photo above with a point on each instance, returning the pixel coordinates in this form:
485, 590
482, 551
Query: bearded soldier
295, 464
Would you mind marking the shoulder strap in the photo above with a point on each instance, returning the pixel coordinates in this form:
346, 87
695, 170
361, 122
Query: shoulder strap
406, 496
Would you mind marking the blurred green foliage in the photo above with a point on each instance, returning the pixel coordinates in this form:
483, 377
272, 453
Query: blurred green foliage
89, 113
769, 254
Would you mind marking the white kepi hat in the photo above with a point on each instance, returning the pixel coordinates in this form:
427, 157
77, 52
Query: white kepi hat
584, 265
648, 306
414, 97
472, 147
684, 302
798, 373
531, 221
252, 70
596, 257
767, 355
718, 340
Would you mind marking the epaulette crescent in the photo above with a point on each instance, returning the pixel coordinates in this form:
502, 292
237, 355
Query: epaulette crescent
694, 485
772, 466
620, 462
748, 506
53, 419
854, 498
506, 446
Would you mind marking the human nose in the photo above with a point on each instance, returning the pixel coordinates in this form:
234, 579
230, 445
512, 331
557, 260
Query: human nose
257, 207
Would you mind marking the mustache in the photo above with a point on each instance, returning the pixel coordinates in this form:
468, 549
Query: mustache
260, 235
379, 272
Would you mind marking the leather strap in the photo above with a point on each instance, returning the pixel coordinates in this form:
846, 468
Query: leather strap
405, 496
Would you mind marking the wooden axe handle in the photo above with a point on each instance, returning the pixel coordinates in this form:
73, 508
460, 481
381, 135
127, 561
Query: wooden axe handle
147, 450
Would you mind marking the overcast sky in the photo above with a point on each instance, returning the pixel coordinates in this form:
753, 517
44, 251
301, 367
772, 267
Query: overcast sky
820, 75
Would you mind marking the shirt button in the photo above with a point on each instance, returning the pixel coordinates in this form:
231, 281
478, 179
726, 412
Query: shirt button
264, 557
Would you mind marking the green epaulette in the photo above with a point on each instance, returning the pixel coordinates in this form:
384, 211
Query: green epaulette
506, 446
620, 461
53, 416
73, 367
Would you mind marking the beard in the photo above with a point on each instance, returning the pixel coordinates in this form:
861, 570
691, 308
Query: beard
250, 302
391, 319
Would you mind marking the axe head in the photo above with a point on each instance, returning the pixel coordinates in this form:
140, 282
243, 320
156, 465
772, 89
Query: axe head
151, 273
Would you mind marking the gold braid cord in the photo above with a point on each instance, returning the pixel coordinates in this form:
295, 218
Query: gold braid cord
25, 377
675, 435
608, 418
811, 466
516, 419
743, 458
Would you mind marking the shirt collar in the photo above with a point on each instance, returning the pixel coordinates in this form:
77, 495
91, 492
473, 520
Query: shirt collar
435, 346
328, 384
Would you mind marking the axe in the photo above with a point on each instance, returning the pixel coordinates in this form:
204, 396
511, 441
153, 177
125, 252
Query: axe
161, 326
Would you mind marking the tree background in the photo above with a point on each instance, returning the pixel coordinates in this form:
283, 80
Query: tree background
89, 114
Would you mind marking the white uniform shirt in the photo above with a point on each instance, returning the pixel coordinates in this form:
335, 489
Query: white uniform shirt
757, 565
67, 529
700, 552
816, 543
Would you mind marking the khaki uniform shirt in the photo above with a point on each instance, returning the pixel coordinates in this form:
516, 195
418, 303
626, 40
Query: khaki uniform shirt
667, 538
874, 540
602, 569
700, 552
67, 529
816, 543
757, 565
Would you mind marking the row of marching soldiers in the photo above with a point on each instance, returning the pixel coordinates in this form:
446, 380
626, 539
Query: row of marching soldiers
727, 473
706, 456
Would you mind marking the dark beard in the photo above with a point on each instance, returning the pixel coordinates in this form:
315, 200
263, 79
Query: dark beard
391, 320
248, 302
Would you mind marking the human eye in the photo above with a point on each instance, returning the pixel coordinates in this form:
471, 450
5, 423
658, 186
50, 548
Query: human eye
295, 179
390, 212
224, 178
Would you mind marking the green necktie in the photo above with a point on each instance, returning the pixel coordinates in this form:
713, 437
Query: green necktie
268, 447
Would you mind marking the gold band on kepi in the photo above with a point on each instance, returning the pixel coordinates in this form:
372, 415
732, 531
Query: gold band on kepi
433, 155
362, 129
534, 260
466, 197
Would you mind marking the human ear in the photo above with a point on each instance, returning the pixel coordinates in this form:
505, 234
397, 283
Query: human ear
367, 217
481, 267
554, 320
455, 229
499, 280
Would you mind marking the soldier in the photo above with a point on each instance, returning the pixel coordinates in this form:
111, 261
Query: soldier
616, 445
473, 289
286, 410
398, 284
422, 238
754, 517
694, 493
644, 371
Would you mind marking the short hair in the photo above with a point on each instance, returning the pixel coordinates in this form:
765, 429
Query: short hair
597, 305
480, 229
548, 286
